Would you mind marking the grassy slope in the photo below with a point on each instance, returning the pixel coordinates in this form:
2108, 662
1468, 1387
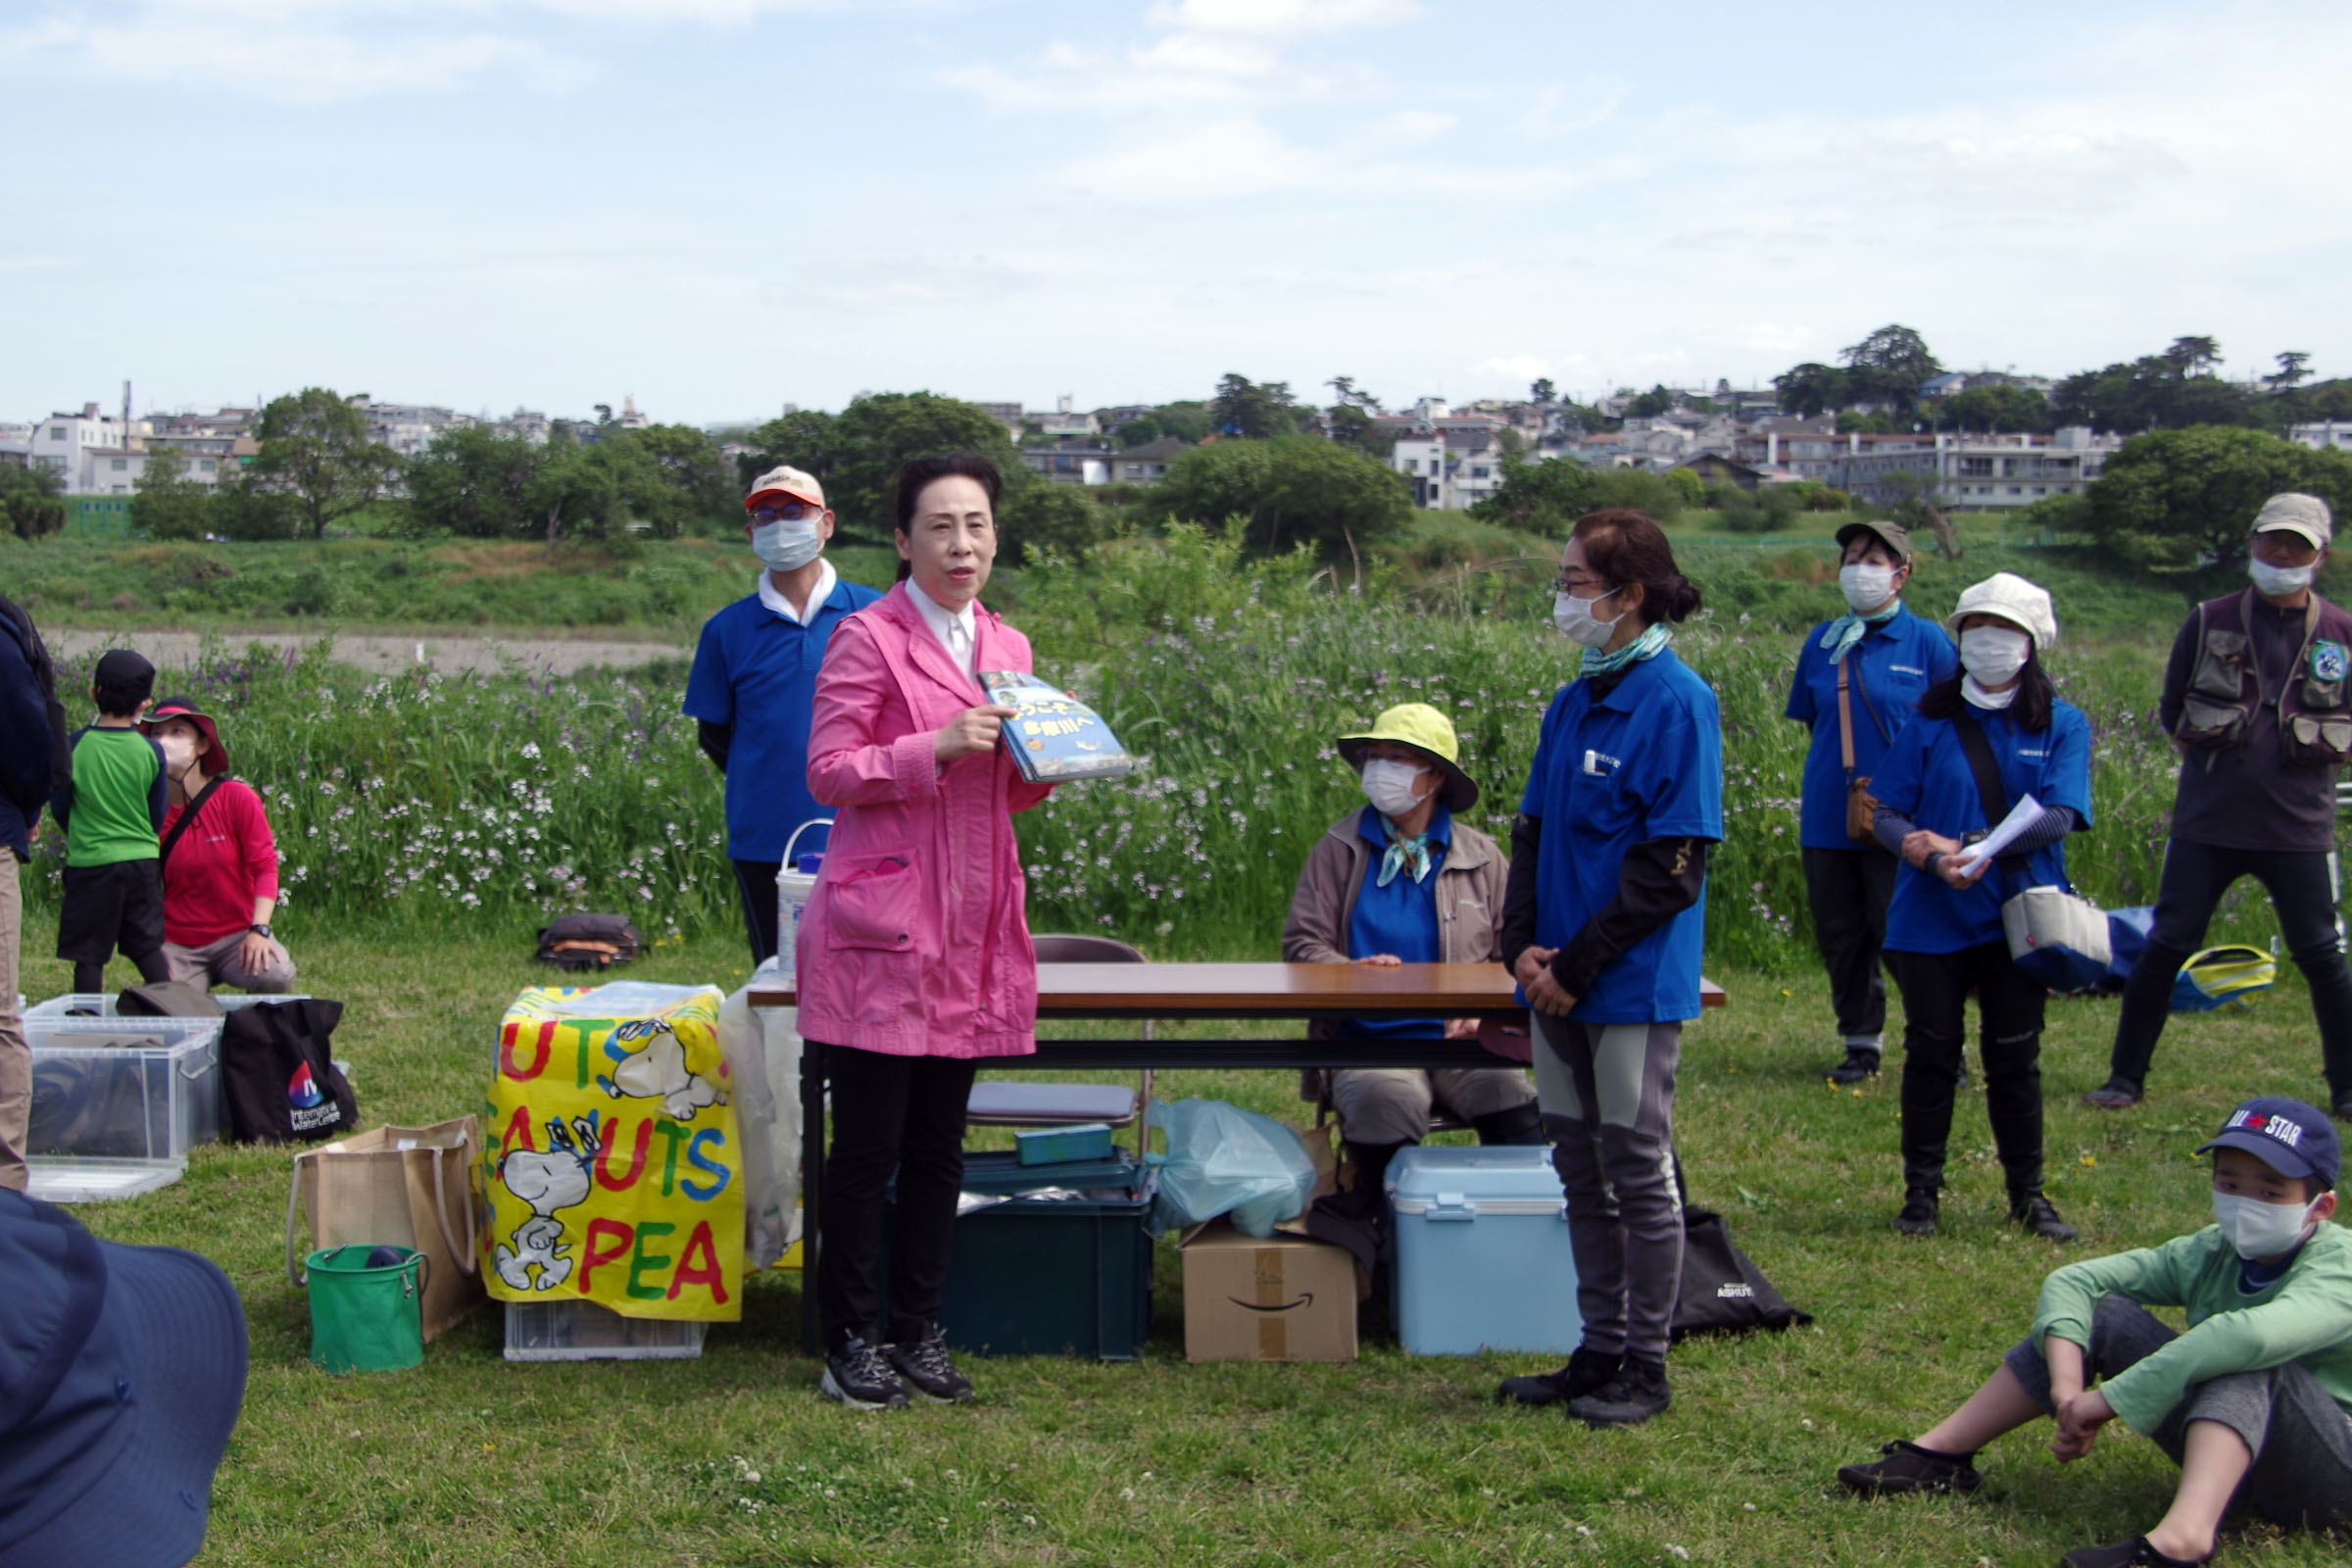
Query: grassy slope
1390, 1461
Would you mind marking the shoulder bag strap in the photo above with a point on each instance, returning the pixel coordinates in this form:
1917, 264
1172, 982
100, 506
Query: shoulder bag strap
1862, 690
1845, 723
186, 818
1991, 793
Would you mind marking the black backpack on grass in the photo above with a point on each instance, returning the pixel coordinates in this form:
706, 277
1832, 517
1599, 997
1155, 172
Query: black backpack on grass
585, 942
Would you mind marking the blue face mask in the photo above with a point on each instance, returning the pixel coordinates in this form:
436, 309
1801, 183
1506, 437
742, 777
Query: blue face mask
783, 546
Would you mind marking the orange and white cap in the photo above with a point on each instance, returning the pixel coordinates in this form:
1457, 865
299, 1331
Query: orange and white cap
784, 483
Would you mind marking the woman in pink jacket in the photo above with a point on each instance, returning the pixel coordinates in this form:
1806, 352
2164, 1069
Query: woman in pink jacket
914, 956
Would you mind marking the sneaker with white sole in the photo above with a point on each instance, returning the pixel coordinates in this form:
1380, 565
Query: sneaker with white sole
858, 1376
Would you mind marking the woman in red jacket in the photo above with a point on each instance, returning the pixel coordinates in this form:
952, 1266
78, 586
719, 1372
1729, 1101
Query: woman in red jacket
221, 871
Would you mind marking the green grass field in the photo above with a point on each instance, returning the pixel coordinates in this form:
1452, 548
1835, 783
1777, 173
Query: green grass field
733, 1459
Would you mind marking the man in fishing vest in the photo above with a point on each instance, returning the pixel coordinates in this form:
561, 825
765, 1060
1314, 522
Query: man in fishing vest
2257, 702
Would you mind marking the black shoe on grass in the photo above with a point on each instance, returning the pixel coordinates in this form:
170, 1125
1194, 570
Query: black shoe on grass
1908, 1467
1635, 1393
2038, 1216
1585, 1373
2132, 1553
2114, 1095
1860, 1064
925, 1369
1920, 1209
856, 1375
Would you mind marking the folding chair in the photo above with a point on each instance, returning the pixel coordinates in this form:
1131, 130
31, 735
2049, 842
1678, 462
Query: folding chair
1012, 1103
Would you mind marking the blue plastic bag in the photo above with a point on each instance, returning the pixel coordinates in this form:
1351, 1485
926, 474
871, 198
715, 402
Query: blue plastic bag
1222, 1159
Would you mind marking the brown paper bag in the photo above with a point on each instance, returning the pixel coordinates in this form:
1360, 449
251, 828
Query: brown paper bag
397, 1187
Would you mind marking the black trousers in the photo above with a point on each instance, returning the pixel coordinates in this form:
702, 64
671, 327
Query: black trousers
889, 1113
756, 881
1849, 891
1935, 987
2302, 885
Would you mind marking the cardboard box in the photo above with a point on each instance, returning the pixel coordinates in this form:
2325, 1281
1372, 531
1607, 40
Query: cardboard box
1286, 1299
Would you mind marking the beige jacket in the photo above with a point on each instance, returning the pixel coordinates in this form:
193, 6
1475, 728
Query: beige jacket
1469, 897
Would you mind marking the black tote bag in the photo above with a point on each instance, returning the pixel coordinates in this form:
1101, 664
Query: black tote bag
1723, 1293
278, 1077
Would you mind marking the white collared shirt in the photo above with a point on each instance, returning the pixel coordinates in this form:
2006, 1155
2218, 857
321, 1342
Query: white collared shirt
826, 579
956, 630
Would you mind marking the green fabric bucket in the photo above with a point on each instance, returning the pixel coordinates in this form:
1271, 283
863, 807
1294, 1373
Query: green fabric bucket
366, 1317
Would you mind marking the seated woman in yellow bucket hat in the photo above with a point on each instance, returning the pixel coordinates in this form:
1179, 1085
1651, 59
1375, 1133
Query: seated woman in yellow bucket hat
1400, 880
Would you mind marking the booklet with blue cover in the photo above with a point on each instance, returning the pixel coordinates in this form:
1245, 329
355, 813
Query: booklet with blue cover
1054, 738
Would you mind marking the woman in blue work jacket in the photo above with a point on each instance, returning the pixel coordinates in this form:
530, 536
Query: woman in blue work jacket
1604, 913
1858, 679
1999, 719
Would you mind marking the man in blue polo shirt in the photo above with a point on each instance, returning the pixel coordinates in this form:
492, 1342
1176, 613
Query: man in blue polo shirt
755, 681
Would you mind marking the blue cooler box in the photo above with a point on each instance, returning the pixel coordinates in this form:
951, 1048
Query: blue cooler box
1483, 1261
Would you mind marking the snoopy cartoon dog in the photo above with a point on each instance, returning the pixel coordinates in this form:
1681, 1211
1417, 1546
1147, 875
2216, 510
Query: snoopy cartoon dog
556, 1179
657, 1070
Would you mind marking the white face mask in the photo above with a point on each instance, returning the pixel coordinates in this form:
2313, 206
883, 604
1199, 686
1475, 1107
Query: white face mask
180, 754
1865, 587
2279, 581
2257, 1229
1388, 786
1993, 654
1575, 619
783, 546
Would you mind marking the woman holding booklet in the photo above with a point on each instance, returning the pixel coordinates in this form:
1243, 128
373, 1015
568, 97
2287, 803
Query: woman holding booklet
1986, 741
914, 955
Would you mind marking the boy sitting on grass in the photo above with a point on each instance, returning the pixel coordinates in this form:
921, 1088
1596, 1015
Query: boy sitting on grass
2252, 1401
111, 810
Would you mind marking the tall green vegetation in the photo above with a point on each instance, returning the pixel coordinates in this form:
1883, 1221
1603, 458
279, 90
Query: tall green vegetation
1285, 493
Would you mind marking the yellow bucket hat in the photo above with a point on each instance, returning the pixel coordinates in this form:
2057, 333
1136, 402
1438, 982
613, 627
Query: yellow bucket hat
1425, 730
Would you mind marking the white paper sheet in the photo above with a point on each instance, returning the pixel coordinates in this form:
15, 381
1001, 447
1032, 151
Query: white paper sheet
1975, 856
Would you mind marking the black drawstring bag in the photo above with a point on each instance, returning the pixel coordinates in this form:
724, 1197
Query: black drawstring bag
1722, 1292
279, 1076
576, 942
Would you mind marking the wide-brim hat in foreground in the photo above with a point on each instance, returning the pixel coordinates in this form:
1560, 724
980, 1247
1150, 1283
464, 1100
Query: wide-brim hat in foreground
213, 759
2020, 603
122, 1369
1425, 730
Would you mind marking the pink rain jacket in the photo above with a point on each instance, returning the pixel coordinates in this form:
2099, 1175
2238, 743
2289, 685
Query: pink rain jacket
916, 941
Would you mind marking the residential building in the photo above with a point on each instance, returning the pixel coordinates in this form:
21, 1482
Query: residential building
2331, 433
16, 451
528, 423
1110, 419
1064, 420
1007, 415
1450, 471
1982, 472
408, 428
1149, 462
60, 440
1712, 468
1073, 459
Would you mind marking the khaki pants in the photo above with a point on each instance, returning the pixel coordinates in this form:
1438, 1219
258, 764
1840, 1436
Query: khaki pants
216, 964
15, 1057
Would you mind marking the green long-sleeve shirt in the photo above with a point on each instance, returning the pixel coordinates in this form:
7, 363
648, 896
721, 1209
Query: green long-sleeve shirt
2305, 1315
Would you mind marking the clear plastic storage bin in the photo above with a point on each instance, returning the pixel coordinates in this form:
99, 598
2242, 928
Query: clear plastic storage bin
123, 1089
583, 1331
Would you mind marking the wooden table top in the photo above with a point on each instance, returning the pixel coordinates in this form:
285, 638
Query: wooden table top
1267, 991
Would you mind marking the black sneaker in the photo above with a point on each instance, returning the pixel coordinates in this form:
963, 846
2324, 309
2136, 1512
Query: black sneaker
858, 1376
1635, 1393
2037, 1214
1586, 1372
1860, 1064
1908, 1467
2127, 1554
1920, 1209
924, 1368
2341, 1107
2114, 1095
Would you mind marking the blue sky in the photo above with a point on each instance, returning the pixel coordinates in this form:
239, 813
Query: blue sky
723, 205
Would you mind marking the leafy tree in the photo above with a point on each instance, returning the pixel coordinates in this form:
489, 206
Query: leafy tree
1918, 514
246, 510
1743, 513
474, 481
1542, 393
1042, 515
1987, 408
1545, 497
2183, 497
2291, 371
1689, 485
1287, 492
1888, 367
1256, 410
1811, 389
853, 454
2195, 356
165, 504
1651, 404
690, 465
315, 448
2156, 391
32, 500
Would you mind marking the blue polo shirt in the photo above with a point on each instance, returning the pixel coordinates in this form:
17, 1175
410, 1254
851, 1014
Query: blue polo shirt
1896, 662
757, 670
1926, 777
1401, 918
1644, 761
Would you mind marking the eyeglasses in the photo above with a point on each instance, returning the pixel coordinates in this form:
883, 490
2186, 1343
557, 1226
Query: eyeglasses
789, 511
1565, 584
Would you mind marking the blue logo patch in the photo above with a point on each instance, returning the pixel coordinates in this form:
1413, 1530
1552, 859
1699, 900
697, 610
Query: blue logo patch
2328, 659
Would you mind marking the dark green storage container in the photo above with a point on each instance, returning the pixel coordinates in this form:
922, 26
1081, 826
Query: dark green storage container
1064, 1276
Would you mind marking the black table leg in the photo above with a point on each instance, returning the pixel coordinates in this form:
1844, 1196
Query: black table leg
813, 1189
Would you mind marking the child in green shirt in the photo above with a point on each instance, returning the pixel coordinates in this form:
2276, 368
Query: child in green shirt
111, 809
2253, 1401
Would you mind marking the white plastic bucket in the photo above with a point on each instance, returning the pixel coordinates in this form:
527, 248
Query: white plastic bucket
793, 890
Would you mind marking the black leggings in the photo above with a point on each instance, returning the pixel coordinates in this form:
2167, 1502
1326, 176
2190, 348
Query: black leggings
90, 978
901, 1115
1935, 987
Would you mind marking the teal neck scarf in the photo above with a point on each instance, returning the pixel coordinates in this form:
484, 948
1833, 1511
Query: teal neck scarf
1652, 640
1402, 853
1841, 634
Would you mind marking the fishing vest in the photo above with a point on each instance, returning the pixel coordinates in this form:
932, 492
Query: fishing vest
2225, 689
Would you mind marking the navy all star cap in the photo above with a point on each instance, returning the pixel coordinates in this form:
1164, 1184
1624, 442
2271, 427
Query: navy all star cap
2291, 1137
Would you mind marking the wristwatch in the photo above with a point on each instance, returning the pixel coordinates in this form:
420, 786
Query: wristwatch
261, 928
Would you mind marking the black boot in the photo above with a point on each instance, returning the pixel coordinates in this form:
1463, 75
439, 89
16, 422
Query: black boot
1585, 1373
1371, 1163
1635, 1393
1521, 1124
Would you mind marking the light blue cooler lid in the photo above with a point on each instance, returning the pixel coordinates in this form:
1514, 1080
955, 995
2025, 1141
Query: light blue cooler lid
1497, 1179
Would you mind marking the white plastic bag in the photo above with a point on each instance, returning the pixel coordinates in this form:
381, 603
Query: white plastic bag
762, 1049
1222, 1159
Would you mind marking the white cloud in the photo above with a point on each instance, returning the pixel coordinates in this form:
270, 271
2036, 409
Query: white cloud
1281, 19
1517, 366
